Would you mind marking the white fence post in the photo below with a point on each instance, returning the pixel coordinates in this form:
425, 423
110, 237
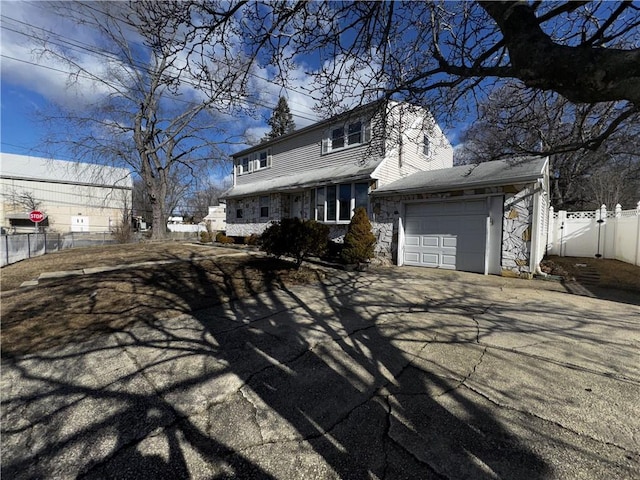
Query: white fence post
562, 219
596, 233
601, 226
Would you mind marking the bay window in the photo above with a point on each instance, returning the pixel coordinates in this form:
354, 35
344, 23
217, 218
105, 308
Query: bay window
337, 203
331, 203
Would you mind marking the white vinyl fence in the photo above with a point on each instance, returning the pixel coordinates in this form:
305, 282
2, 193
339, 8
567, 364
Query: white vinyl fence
601, 234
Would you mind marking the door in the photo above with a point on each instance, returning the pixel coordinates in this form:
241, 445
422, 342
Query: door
449, 235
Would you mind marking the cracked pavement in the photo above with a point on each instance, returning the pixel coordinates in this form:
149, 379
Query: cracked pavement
393, 373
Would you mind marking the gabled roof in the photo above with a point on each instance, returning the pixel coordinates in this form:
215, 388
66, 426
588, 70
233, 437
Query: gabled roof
310, 178
487, 174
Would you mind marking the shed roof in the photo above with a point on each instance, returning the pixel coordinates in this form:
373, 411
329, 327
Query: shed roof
487, 174
310, 178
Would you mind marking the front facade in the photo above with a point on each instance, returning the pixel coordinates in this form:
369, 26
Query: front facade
327, 170
75, 197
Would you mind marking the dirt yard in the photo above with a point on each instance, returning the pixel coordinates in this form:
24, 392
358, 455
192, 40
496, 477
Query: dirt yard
74, 308
599, 272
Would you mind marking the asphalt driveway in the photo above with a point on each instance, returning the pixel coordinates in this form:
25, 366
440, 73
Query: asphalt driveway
395, 373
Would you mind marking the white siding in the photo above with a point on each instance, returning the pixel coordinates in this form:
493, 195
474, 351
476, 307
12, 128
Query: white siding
304, 152
405, 149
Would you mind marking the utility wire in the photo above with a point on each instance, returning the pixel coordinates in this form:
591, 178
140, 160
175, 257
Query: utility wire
64, 41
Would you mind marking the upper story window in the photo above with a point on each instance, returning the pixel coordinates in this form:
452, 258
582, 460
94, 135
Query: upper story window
337, 138
426, 145
346, 135
254, 162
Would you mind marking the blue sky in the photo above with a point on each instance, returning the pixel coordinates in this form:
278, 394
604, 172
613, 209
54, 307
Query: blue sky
28, 84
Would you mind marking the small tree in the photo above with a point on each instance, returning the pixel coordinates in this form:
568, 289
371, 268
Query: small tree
296, 238
359, 241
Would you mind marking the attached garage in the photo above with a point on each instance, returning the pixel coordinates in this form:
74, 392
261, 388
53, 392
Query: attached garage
454, 235
446, 235
487, 218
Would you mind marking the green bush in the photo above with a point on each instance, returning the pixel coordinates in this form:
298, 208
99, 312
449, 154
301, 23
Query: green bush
296, 238
222, 238
205, 237
359, 241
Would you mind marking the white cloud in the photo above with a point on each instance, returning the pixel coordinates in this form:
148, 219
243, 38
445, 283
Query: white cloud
28, 68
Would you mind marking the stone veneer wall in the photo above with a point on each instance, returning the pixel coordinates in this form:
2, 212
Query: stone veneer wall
516, 226
251, 221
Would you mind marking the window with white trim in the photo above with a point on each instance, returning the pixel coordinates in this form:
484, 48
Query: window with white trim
261, 161
244, 166
254, 162
346, 135
337, 203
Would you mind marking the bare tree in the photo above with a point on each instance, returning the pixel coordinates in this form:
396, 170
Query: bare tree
205, 197
155, 113
23, 199
512, 124
447, 55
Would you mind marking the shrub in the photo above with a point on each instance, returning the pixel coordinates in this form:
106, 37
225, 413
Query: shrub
222, 238
296, 238
359, 241
123, 232
205, 237
252, 239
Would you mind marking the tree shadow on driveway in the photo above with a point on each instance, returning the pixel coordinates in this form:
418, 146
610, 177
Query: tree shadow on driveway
352, 378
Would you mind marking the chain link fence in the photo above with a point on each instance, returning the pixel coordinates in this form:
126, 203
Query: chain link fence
14, 248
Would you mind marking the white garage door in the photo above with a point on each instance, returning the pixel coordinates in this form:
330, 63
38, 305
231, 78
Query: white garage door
449, 235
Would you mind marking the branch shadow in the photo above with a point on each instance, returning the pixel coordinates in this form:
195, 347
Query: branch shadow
330, 382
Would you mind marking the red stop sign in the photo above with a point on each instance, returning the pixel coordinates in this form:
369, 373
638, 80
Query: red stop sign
36, 216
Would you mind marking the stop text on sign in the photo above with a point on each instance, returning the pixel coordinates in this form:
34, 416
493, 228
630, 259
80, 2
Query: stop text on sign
36, 216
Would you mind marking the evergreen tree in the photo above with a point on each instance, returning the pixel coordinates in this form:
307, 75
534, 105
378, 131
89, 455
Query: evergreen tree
281, 121
359, 242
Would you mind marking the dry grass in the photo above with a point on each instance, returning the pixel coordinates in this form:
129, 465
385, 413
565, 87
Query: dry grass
75, 308
612, 273
108, 255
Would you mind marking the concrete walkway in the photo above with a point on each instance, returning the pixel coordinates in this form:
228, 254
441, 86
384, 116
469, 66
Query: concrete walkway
395, 373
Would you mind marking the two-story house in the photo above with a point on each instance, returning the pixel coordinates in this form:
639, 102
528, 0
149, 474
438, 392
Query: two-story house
394, 160
326, 170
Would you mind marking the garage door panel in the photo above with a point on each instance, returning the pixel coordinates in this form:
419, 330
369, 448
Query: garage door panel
450, 242
448, 261
412, 258
447, 235
431, 259
429, 241
412, 241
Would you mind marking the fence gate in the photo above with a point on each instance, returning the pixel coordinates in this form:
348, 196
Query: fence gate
600, 234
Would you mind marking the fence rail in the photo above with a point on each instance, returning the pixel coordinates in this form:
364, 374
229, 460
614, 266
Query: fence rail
14, 248
602, 234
